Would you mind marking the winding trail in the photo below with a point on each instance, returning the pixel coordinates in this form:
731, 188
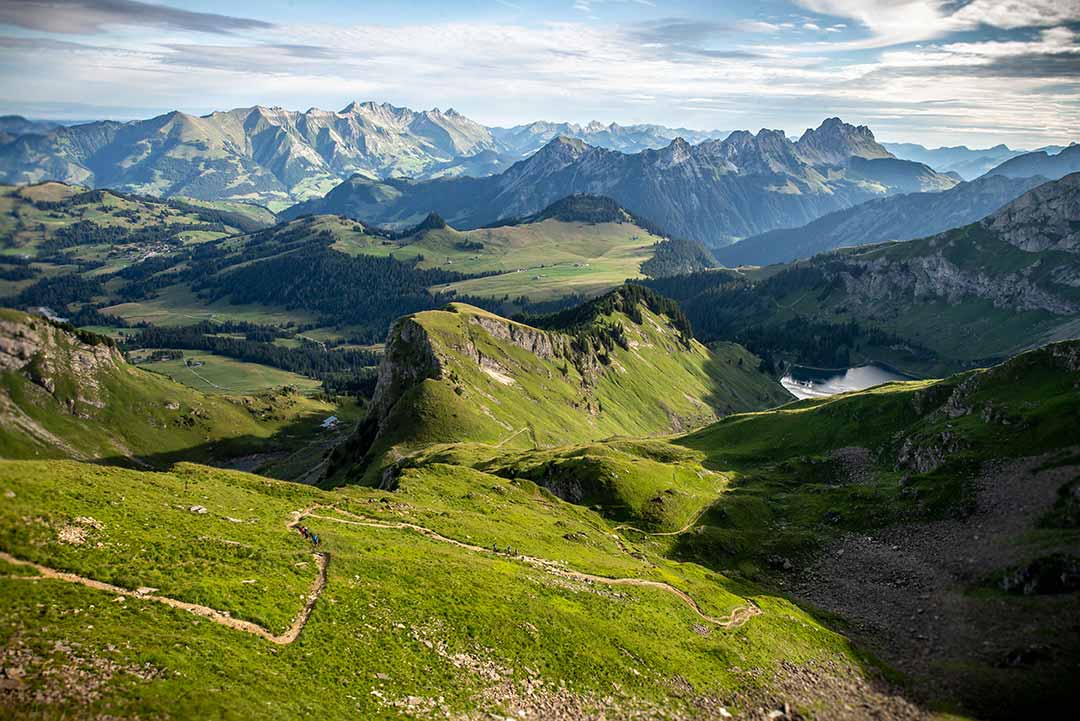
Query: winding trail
690, 524
736, 618
284, 639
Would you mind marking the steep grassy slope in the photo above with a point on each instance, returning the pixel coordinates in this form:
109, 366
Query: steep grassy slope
623, 364
963, 298
965, 481
67, 395
409, 623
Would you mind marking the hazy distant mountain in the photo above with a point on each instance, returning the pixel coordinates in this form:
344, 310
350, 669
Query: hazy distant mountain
899, 217
955, 299
1041, 163
524, 140
715, 192
268, 155
15, 125
968, 163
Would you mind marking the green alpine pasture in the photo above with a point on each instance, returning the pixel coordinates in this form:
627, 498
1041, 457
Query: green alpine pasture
407, 625
76, 397
212, 373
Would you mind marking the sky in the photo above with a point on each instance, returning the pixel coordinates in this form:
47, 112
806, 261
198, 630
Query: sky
936, 72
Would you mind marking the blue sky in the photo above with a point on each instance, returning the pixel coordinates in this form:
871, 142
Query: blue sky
978, 72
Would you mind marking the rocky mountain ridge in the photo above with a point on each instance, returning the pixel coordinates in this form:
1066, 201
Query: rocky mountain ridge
899, 217
610, 366
715, 192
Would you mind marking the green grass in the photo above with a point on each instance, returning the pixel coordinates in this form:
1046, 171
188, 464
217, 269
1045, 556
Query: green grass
79, 400
542, 260
403, 615
221, 374
519, 399
177, 305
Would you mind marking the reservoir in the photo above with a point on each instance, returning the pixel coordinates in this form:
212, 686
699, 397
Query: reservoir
806, 382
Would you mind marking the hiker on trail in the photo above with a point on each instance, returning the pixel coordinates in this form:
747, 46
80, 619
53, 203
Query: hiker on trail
303, 531
315, 539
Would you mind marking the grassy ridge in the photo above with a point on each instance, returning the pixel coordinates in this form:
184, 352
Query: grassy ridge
463, 374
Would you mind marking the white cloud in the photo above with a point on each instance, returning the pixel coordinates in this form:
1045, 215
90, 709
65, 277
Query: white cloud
894, 22
504, 73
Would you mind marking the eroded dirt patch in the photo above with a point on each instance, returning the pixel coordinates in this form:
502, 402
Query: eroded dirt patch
922, 596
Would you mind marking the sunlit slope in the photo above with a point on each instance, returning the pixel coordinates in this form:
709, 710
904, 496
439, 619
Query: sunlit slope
67, 394
415, 620
623, 364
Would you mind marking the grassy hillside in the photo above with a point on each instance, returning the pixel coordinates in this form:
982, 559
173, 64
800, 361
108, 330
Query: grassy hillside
64, 395
962, 485
408, 624
622, 364
413, 606
213, 373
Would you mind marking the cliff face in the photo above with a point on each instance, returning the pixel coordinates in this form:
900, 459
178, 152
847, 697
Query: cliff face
463, 374
1047, 218
1025, 257
65, 365
936, 277
410, 359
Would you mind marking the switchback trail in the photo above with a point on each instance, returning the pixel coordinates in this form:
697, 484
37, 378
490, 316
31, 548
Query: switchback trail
736, 618
690, 524
214, 615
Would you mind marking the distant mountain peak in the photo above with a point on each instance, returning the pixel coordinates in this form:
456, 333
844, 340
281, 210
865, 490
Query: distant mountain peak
834, 141
433, 221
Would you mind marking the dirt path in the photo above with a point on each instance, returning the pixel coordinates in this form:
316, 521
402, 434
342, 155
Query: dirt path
690, 524
517, 433
290, 635
736, 618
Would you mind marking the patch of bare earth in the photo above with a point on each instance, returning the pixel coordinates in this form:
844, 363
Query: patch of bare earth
826, 691
921, 597
67, 674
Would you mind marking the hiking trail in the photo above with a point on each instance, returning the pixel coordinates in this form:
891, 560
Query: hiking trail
736, 618
284, 639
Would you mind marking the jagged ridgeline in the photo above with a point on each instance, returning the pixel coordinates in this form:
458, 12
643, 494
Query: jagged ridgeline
624, 363
67, 393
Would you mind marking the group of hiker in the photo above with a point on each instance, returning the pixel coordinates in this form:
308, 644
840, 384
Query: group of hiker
308, 534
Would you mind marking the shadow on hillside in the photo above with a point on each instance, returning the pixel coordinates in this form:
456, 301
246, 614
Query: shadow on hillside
293, 453
733, 393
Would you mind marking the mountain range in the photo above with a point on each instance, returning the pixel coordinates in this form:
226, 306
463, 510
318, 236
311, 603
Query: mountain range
715, 192
1041, 162
277, 157
898, 217
968, 163
960, 298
